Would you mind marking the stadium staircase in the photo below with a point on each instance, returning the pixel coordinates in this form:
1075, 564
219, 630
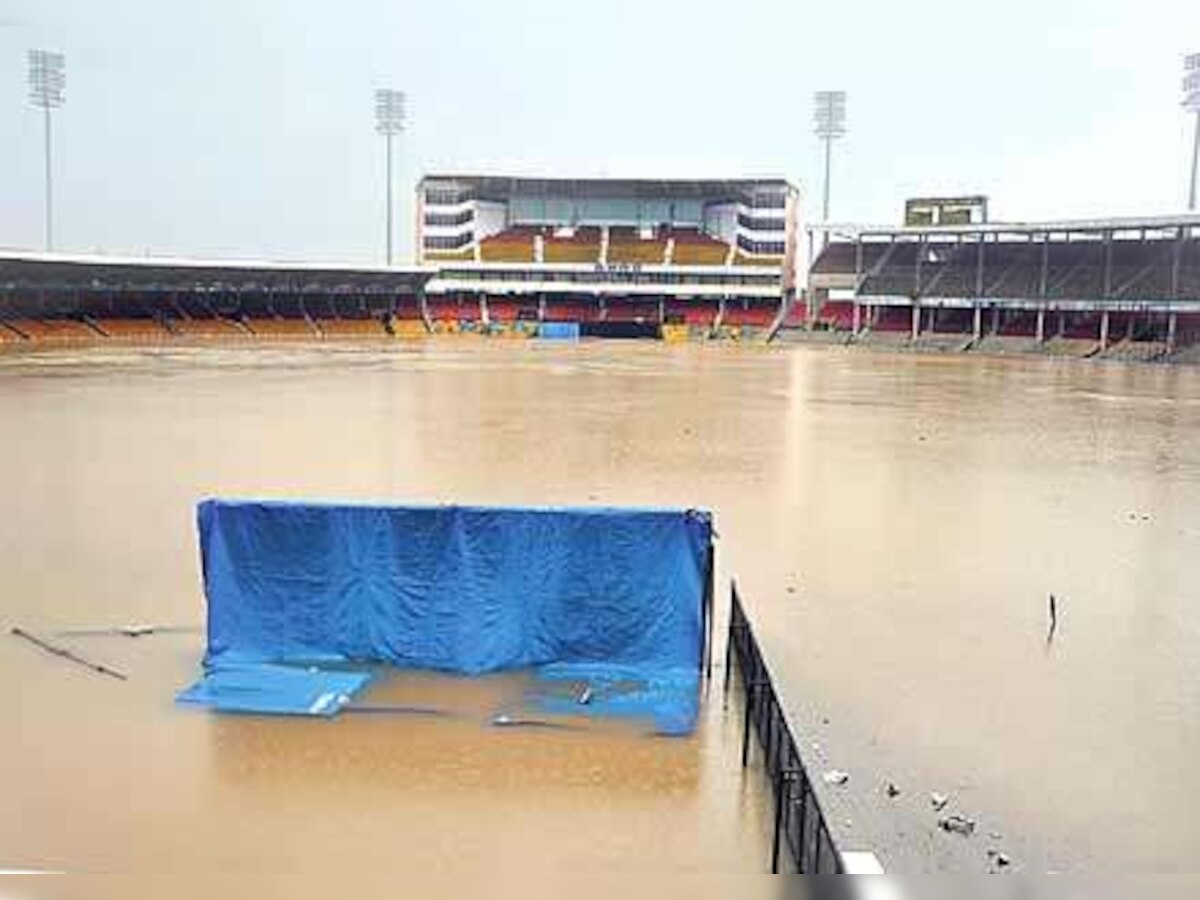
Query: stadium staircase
605, 243
669, 252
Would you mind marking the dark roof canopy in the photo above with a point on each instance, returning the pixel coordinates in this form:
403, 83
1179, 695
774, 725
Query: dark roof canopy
502, 187
65, 272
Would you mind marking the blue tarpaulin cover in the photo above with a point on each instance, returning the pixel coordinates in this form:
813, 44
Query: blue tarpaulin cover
559, 331
603, 596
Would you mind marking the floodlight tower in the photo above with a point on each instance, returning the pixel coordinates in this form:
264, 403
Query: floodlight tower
830, 119
389, 121
1191, 102
47, 84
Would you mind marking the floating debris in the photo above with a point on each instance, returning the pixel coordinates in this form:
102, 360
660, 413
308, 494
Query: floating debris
68, 654
938, 801
891, 790
585, 696
836, 776
999, 858
957, 824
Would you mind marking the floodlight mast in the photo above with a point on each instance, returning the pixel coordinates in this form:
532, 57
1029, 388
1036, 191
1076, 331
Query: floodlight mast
47, 86
1191, 102
390, 117
830, 121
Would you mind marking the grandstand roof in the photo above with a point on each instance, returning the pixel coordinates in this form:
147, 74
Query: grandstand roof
1128, 223
32, 270
502, 186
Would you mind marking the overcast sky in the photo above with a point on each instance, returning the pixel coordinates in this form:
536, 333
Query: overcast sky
243, 128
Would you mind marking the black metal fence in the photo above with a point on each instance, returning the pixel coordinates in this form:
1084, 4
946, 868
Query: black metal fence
800, 826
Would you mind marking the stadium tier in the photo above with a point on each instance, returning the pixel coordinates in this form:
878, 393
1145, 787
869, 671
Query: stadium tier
510, 245
597, 248
692, 247
336, 329
632, 245
280, 328
1107, 282
571, 245
144, 330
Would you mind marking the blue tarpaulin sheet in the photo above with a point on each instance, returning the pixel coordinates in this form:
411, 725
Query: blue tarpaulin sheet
284, 690
559, 331
466, 590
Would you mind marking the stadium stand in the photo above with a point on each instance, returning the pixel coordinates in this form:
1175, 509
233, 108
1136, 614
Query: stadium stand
454, 309
144, 330
695, 248
279, 328
464, 255
54, 331
512, 245
581, 246
500, 310
632, 311
696, 313
344, 328
755, 315
570, 311
743, 260
213, 328
626, 245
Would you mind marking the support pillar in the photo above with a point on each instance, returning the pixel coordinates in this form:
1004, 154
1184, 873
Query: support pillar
977, 325
1104, 331
1062, 324
1041, 325
1172, 331
857, 322
916, 321
995, 321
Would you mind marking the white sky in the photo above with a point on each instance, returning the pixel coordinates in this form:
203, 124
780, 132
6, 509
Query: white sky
243, 128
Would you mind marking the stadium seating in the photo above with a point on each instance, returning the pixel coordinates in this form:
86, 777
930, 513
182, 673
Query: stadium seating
632, 311
582, 247
8, 336
453, 309
797, 316
756, 315
133, 330
571, 311
766, 261
209, 329
626, 246
467, 254
502, 310
336, 329
513, 245
279, 328
54, 331
837, 315
692, 312
695, 248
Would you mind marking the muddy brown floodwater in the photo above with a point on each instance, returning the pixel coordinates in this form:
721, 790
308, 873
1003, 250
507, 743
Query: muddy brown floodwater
896, 524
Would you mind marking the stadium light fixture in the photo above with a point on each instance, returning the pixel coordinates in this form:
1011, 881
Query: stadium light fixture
390, 116
830, 121
47, 92
1191, 102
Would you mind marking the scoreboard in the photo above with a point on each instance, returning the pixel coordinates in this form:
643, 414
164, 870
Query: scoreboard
946, 211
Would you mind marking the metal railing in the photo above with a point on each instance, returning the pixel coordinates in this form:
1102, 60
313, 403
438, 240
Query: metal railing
800, 826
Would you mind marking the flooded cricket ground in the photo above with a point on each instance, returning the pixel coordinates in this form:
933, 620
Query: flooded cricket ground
896, 524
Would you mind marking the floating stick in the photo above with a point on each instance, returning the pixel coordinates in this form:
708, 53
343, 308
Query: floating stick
68, 655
